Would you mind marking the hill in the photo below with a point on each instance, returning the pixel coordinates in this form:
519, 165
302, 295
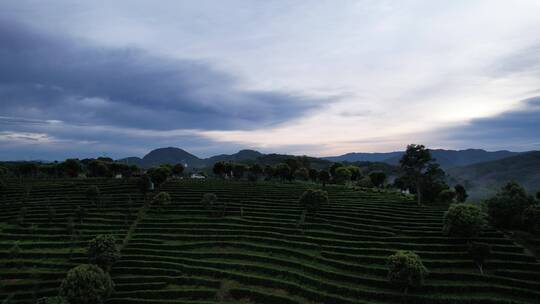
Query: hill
259, 252
446, 158
240, 156
168, 155
486, 178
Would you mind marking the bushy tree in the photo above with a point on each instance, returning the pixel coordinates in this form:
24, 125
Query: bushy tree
313, 174
143, 184
461, 193
97, 168
159, 175
312, 200
219, 169
377, 178
356, 174
446, 196
103, 251
342, 175
256, 170
479, 252
506, 207
334, 167
239, 170
418, 169
86, 284
283, 171
178, 169
324, 177
268, 172
71, 167
365, 182
463, 220
405, 270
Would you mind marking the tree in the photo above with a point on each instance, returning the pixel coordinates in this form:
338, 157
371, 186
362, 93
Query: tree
161, 199
71, 167
93, 194
239, 170
446, 196
178, 169
97, 168
256, 170
356, 174
405, 270
313, 175
144, 183
463, 220
269, 172
312, 200
159, 175
324, 177
414, 164
212, 205
86, 284
506, 207
377, 178
461, 193
342, 175
103, 251
283, 171
301, 174
479, 252
334, 167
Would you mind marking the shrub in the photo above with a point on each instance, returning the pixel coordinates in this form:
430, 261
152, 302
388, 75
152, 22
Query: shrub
479, 252
506, 207
405, 269
311, 200
446, 196
102, 251
161, 199
86, 284
463, 220
210, 202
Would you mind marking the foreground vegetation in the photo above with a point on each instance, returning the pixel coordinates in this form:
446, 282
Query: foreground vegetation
258, 242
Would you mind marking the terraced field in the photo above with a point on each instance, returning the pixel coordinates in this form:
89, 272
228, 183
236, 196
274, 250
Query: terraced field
257, 253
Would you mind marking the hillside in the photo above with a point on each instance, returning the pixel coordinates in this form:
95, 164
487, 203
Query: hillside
257, 252
446, 158
485, 178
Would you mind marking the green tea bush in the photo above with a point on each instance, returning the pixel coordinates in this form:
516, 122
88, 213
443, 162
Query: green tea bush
463, 220
103, 251
86, 284
312, 200
405, 270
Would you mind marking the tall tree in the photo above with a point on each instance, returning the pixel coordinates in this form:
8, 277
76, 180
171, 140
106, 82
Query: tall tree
415, 164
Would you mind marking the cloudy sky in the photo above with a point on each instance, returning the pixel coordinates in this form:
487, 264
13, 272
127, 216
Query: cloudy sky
119, 78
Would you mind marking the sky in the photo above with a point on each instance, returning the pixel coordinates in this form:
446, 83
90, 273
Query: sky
120, 78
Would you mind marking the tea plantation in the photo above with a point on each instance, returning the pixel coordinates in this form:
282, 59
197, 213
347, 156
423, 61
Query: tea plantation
260, 251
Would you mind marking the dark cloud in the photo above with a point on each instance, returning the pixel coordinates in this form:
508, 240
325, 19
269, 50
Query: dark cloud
516, 129
47, 78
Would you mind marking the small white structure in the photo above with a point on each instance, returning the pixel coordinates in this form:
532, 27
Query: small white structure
197, 176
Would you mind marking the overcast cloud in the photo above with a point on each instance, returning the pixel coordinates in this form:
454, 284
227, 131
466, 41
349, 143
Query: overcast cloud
123, 77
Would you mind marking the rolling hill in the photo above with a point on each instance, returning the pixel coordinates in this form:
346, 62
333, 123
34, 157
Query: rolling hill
487, 177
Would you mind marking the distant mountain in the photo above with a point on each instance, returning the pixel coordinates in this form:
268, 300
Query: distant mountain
173, 156
241, 155
371, 157
484, 179
446, 158
168, 155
